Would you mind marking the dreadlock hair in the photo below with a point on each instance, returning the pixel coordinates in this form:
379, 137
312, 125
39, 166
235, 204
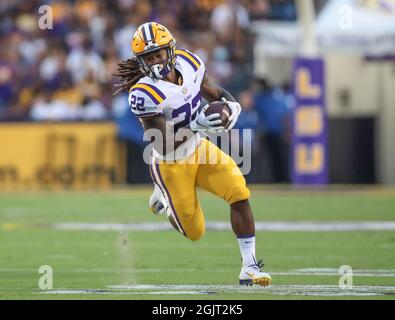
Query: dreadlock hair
129, 73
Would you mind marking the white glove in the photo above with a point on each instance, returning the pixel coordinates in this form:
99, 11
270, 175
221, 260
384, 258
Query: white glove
235, 107
206, 123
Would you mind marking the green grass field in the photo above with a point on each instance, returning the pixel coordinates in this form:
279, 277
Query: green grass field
89, 264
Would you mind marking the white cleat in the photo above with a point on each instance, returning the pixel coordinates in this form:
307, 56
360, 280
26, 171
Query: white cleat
252, 274
157, 202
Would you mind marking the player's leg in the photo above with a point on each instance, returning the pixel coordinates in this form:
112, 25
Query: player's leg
242, 219
177, 184
159, 206
221, 176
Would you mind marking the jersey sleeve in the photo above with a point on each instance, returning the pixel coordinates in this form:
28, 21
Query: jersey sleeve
194, 61
145, 100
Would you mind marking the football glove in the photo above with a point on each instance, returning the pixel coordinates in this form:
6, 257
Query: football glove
236, 110
205, 123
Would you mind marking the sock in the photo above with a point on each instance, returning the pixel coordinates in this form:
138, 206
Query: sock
247, 249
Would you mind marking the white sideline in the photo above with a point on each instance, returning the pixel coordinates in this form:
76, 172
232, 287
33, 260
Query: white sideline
298, 226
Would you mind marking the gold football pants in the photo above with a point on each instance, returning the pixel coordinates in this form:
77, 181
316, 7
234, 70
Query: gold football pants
209, 168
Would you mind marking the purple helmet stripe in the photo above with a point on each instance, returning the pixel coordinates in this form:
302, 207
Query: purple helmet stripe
144, 35
151, 31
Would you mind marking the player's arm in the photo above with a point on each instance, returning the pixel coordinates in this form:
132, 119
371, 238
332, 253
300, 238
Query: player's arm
211, 91
146, 105
168, 142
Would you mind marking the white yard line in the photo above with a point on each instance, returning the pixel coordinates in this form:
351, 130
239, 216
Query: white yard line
298, 272
355, 274
282, 290
311, 271
110, 292
259, 226
290, 226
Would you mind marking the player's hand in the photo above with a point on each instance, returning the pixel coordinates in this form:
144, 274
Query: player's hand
235, 107
207, 123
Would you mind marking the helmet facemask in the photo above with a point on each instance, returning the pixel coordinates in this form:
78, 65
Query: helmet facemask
159, 70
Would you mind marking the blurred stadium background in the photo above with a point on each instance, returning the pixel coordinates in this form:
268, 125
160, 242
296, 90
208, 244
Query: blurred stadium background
61, 126
316, 82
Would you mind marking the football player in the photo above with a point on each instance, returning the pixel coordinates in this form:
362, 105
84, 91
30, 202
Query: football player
166, 86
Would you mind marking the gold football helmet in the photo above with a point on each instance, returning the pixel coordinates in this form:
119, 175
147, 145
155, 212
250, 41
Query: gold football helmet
150, 37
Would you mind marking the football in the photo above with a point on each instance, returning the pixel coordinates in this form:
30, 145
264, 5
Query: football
221, 108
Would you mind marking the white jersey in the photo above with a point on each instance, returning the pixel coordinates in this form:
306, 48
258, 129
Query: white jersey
177, 103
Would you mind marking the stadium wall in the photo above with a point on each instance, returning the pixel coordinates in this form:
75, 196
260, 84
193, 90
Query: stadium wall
60, 155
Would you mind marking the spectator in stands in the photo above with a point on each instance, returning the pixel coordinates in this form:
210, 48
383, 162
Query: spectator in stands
92, 110
7, 85
89, 37
274, 115
248, 118
82, 60
45, 108
283, 10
